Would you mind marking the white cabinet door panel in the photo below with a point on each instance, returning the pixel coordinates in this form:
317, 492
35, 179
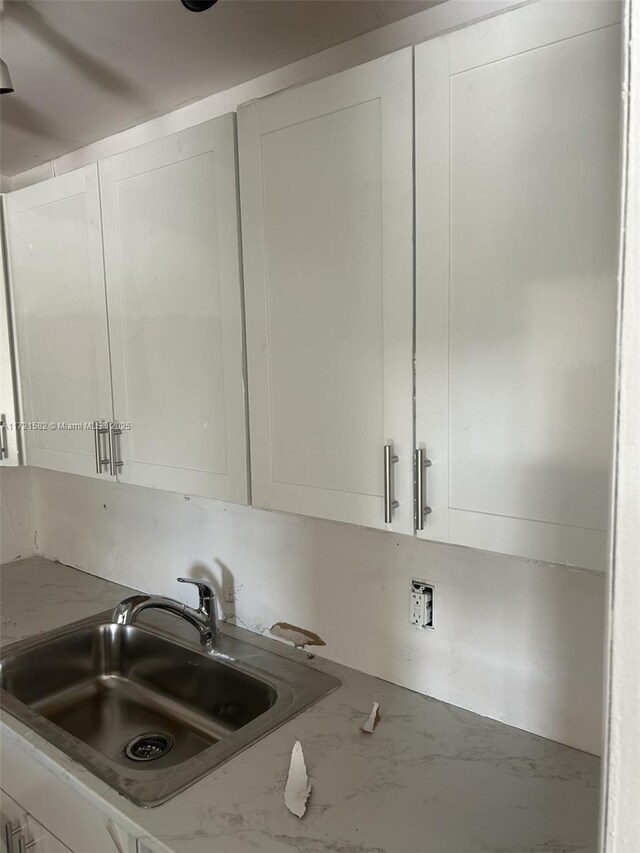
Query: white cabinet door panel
175, 311
57, 271
9, 435
13, 823
326, 184
56, 810
516, 233
21, 831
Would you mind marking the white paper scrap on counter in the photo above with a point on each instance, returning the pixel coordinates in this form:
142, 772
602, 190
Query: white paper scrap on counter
298, 786
374, 718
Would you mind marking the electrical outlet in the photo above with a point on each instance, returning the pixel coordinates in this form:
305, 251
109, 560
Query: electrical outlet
417, 609
421, 604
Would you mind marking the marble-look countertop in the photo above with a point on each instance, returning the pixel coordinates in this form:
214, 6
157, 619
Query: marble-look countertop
431, 778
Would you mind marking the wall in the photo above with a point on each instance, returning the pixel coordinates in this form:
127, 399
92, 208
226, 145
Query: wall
411, 30
621, 816
515, 640
16, 530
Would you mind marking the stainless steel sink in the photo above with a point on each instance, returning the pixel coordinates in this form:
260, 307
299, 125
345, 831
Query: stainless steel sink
147, 712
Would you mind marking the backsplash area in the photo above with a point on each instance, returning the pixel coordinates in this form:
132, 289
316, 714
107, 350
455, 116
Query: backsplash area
518, 641
17, 533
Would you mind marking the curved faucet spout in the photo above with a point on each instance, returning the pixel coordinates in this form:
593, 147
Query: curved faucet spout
204, 619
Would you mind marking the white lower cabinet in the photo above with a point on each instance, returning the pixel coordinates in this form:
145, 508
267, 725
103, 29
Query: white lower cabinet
517, 186
21, 832
49, 814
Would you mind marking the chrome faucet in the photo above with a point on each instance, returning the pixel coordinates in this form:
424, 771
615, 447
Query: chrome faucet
205, 618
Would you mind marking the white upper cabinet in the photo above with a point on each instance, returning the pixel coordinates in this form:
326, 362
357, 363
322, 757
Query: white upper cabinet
172, 258
9, 435
326, 187
517, 135
499, 145
55, 247
172, 302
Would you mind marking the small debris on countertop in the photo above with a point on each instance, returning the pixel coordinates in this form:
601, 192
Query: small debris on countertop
298, 788
374, 719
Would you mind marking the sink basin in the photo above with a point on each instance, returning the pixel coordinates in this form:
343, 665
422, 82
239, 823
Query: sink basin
147, 712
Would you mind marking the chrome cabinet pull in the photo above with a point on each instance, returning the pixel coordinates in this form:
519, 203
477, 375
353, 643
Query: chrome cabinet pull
4, 446
422, 510
23, 845
96, 447
8, 836
389, 503
9, 832
98, 430
113, 464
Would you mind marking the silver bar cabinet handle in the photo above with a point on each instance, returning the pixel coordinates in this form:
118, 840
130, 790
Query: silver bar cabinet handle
389, 503
10, 831
98, 430
4, 446
113, 465
23, 845
96, 446
8, 836
422, 510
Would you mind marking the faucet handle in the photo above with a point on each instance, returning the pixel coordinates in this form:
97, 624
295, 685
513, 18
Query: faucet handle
206, 592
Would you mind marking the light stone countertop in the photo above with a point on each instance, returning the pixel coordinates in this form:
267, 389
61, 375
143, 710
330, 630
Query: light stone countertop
432, 777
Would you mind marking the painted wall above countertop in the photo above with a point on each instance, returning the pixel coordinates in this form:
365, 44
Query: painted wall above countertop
515, 640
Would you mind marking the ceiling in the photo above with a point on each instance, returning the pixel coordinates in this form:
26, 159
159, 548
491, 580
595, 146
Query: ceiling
84, 69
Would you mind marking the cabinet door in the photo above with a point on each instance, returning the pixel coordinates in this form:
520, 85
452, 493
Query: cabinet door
21, 832
9, 435
171, 237
55, 247
13, 820
326, 188
517, 127
49, 801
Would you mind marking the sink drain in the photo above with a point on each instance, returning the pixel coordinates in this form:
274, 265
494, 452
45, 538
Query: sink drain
149, 746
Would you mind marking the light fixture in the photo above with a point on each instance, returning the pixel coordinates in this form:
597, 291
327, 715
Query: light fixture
198, 5
6, 85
